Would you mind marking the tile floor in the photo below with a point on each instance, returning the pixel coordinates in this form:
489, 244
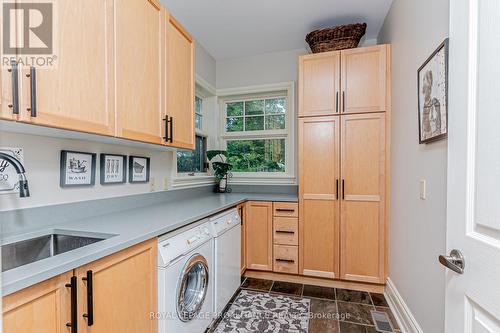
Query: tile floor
332, 309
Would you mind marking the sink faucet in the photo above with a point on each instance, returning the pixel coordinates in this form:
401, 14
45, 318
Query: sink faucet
24, 190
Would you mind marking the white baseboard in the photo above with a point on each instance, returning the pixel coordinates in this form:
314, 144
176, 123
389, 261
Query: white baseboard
406, 321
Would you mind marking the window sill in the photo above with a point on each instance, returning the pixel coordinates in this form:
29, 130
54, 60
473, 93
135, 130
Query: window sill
185, 181
262, 179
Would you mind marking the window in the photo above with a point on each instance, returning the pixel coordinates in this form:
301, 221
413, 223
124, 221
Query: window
255, 115
257, 133
193, 161
198, 117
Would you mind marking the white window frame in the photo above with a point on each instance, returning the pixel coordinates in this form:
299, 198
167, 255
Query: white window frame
188, 179
287, 90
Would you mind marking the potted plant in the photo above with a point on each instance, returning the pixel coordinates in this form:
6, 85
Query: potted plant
221, 169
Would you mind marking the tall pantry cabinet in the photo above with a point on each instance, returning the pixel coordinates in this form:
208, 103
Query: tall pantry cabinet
344, 114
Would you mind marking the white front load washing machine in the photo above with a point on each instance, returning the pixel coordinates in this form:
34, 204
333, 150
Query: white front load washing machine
185, 280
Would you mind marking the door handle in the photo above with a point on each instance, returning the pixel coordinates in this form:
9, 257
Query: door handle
169, 129
15, 88
73, 324
32, 76
455, 261
337, 102
343, 101
90, 299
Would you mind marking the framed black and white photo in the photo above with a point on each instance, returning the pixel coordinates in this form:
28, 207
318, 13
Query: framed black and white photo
138, 169
77, 168
113, 169
433, 96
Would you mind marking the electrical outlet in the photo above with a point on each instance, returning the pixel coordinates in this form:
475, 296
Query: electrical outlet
423, 189
152, 184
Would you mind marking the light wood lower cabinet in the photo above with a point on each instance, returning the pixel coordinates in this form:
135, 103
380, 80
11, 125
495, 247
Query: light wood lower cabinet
363, 226
42, 308
259, 235
319, 173
123, 294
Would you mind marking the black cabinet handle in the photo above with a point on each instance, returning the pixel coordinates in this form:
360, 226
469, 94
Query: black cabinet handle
337, 189
74, 315
343, 189
286, 260
90, 299
32, 76
337, 102
285, 232
289, 210
169, 129
343, 101
15, 91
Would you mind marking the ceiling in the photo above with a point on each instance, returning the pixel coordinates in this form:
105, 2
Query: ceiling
238, 28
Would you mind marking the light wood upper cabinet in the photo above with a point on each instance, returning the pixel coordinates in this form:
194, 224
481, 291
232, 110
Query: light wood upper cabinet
179, 84
363, 206
259, 235
124, 291
138, 39
319, 172
319, 84
77, 93
42, 308
365, 79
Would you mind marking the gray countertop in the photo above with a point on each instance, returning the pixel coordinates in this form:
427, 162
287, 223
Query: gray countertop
130, 227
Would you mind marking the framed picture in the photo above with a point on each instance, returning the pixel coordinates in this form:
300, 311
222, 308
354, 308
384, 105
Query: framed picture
9, 179
138, 169
77, 168
113, 169
433, 96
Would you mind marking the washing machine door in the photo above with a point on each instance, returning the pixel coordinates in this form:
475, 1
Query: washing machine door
192, 288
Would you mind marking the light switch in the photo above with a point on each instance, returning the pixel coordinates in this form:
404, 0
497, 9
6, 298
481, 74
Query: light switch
423, 190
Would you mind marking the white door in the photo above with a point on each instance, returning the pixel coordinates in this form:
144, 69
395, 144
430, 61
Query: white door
473, 222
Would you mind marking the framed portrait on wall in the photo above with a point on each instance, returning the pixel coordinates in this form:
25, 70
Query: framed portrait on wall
113, 169
433, 96
77, 168
138, 169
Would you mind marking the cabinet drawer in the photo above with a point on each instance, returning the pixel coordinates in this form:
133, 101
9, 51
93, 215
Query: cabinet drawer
286, 209
285, 231
286, 259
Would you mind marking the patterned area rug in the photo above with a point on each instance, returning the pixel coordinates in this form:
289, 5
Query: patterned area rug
260, 312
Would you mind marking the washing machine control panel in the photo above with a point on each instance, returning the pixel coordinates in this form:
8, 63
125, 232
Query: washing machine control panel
170, 249
224, 221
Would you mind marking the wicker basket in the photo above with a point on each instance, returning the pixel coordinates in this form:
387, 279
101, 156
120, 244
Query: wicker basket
338, 38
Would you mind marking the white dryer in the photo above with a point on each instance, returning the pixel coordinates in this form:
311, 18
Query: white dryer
226, 229
185, 280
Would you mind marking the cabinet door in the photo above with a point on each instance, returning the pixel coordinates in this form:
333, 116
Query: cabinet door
138, 37
319, 84
363, 205
318, 196
180, 84
365, 79
124, 291
259, 235
42, 308
241, 212
77, 93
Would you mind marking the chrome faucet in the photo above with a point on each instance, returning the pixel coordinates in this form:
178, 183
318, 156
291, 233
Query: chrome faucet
24, 190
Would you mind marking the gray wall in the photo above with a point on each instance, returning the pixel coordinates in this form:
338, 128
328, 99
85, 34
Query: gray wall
258, 70
205, 65
418, 227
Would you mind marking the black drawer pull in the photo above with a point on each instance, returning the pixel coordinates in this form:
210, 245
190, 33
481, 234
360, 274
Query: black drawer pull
15, 88
286, 260
285, 232
285, 210
74, 315
90, 299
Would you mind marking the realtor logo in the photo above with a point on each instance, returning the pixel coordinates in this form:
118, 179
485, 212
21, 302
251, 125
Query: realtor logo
28, 33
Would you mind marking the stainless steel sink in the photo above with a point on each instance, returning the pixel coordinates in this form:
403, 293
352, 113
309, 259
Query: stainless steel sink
30, 250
